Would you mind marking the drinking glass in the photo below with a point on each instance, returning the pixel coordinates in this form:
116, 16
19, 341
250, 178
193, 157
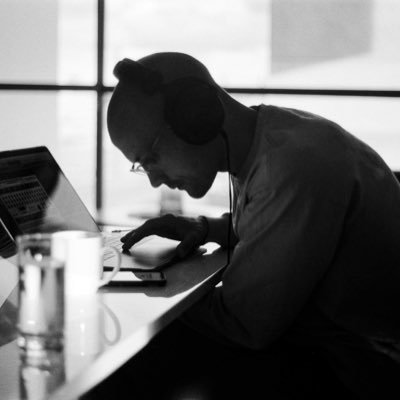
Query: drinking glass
41, 294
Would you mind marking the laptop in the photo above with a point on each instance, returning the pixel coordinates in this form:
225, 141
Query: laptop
36, 196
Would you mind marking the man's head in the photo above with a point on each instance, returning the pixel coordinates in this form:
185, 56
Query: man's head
154, 117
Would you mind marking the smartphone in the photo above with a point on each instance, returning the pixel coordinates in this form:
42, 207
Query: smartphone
130, 278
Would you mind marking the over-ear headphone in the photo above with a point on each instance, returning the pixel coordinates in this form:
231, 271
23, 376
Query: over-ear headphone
192, 108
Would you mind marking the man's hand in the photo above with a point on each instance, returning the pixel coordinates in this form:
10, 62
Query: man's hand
192, 232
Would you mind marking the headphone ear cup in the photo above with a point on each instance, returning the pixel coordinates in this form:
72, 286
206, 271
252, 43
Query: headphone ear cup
193, 110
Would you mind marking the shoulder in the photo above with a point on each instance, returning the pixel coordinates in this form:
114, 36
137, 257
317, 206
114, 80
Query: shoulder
302, 151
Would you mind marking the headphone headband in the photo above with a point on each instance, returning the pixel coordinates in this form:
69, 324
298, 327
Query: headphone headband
192, 106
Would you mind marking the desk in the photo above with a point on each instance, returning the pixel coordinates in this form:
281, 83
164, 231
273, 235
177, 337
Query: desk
106, 330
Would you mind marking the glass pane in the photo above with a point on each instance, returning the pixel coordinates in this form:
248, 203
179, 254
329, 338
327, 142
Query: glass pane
64, 122
373, 120
228, 36
76, 117
274, 43
48, 41
28, 37
335, 44
77, 42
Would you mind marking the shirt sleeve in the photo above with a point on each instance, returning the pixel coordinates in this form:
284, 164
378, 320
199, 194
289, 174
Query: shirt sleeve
288, 232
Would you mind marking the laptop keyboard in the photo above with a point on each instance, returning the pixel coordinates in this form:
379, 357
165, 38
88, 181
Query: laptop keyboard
114, 241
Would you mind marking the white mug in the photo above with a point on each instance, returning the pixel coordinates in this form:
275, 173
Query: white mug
82, 252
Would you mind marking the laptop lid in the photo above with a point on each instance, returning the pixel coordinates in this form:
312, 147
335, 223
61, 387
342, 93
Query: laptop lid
36, 196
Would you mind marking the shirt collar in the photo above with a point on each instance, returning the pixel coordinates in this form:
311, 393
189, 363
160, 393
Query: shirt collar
251, 155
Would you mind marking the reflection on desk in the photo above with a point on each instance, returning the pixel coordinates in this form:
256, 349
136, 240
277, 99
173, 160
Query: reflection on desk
91, 327
41, 374
104, 331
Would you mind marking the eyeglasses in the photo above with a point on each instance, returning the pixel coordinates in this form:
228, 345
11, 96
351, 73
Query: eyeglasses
138, 167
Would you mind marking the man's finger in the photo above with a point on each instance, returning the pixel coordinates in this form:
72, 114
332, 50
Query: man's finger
150, 227
133, 237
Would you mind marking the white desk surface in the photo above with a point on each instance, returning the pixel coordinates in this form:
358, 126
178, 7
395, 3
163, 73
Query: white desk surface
105, 331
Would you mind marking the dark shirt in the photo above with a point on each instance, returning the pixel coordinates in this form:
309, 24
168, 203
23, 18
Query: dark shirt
317, 215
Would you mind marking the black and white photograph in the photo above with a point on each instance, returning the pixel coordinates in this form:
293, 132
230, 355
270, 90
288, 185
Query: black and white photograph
199, 200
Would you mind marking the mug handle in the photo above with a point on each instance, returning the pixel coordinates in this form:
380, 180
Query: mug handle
115, 321
104, 281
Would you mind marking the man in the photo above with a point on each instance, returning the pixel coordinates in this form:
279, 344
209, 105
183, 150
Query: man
316, 225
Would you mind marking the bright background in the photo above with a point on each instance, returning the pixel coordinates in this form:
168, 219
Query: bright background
298, 44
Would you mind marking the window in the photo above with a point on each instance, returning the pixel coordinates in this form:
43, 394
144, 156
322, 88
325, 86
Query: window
44, 45
336, 58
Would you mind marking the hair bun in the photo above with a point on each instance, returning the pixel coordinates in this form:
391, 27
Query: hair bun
133, 72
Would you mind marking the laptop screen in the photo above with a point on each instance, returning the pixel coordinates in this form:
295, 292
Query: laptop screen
35, 196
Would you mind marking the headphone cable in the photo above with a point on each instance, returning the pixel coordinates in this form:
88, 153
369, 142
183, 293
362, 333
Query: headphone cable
225, 136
